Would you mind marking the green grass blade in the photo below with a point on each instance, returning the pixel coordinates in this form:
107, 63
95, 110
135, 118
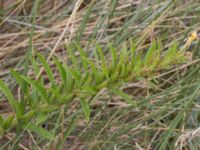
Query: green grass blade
71, 127
33, 15
84, 21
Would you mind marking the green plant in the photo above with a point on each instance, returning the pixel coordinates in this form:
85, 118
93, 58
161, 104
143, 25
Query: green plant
80, 81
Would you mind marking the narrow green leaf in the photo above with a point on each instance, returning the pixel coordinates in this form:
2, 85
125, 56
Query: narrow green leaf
83, 56
156, 57
17, 77
84, 21
103, 60
123, 95
155, 62
169, 56
47, 68
39, 130
67, 98
35, 65
86, 109
41, 117
71, 55
76, 75
70, 83
20, 81
37, 86
33, 98
138, 65
149, 57
61, 70
7, 122
23, 85
124, 51
70, 128
94, 69
114, 55
33, 16
132, 48
14, 104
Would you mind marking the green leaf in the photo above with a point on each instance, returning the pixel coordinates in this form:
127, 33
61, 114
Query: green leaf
14, 104
156, 57
39, 130
86, 109
35, 66
33, 99
67, 98
70, 81
138, 65
103, 85
47, 68
55, 91
124, 60
123, 95
150, 54
76, 75
83, 56
61, 70
42, 117
114, 55
71, 55
37, 86
133, 48
169, 56
94, 69
103, 61
155, 62
23, 85
84, 22
17, 77
33, 15
7, 122
124, 51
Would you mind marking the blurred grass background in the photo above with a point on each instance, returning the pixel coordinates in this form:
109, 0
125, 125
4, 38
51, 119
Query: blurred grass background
168, 115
